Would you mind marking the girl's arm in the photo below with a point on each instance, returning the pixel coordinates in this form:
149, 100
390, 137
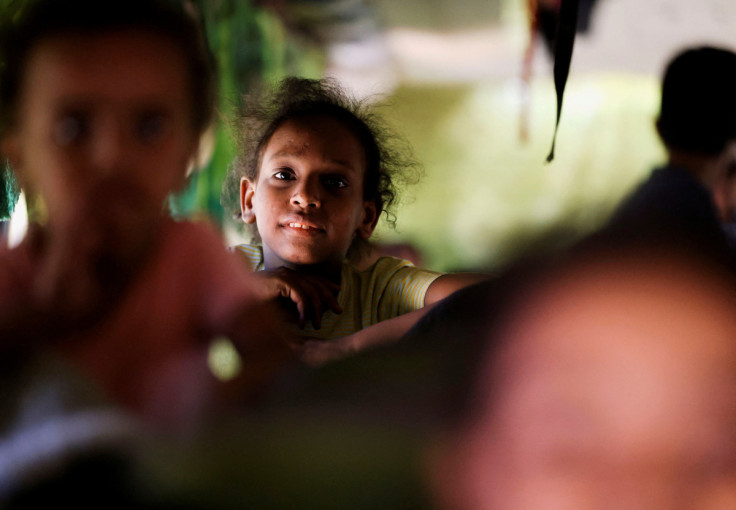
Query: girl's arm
318, 352
449, 283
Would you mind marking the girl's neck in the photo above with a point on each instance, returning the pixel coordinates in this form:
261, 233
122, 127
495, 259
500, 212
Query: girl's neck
329, 270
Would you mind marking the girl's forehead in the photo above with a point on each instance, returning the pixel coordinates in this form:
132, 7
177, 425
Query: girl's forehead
320, 132
318, 142
321, 125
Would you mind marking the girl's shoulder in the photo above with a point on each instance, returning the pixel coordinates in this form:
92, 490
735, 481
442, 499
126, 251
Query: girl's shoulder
386, 263
387, 268
391, 287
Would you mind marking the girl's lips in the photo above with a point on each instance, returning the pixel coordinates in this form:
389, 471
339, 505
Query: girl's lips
302, 227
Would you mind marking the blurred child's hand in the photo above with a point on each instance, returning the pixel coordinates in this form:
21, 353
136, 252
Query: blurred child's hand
312, 295
65, 286
318, 351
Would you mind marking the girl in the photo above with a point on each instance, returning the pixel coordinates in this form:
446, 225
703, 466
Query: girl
317, 170
103, 104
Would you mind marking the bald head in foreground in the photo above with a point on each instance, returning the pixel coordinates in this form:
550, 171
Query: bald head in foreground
610, 382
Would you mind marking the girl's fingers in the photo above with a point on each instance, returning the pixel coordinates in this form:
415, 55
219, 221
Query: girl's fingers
300, 307
308, 304
312, 295
316, 308
326, 292
329, 297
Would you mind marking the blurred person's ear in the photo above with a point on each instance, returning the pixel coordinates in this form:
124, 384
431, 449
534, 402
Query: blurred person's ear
9, 149
724, 190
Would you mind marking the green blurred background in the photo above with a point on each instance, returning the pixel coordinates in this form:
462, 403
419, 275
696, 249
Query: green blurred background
447, 75
486, 195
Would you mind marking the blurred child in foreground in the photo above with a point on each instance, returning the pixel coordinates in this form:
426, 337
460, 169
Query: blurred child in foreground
103, 105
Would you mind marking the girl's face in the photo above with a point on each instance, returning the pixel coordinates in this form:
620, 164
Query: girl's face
105, 115
307, 201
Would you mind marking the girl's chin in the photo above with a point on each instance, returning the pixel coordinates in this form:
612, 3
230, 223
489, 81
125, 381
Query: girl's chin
305, 259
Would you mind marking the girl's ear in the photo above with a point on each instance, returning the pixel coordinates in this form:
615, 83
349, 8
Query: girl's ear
247, 190
370, 219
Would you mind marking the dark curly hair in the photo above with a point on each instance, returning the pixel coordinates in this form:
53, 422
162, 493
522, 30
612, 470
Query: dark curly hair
389, 158
28, 22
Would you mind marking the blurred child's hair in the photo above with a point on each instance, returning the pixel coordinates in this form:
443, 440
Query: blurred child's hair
25, 24
389, 158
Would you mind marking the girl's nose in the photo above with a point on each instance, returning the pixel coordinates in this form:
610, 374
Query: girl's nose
306, 195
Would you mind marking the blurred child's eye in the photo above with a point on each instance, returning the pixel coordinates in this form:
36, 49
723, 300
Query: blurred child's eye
69, 129
151, 127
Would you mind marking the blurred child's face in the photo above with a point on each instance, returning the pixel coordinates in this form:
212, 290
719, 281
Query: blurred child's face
100, 112
307, 201
617, 390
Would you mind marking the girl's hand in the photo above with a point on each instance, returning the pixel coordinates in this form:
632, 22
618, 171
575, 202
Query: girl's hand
312, 295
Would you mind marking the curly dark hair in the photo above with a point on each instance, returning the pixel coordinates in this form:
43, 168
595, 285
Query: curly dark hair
389, 158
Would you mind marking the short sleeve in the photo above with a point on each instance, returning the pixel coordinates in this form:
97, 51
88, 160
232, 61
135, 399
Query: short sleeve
397, 287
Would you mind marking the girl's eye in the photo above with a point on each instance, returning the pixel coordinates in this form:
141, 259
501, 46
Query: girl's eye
283, 175
151, 127
334, 181
70, 129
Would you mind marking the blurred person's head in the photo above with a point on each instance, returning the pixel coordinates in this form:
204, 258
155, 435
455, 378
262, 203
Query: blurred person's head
102, 105
698, 109
724, 192
608, 383
102, 98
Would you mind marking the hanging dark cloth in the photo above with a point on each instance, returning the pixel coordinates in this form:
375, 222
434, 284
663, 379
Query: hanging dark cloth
564, 43
547, 18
